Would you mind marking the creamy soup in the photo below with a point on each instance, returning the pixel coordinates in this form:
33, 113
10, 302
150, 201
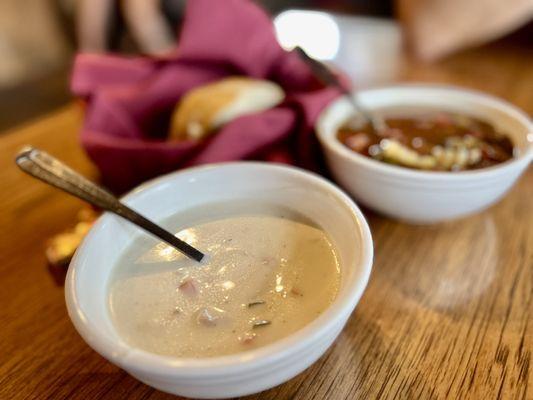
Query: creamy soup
268, 273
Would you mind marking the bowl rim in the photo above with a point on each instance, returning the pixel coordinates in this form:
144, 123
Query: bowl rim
141, 361
330, 141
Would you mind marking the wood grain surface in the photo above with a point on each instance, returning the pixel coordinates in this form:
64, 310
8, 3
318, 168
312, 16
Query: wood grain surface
447, 313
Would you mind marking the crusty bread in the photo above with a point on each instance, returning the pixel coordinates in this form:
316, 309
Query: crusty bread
207, 108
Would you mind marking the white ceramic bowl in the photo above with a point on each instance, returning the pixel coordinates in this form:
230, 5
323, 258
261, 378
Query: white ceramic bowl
426, 196
243, 373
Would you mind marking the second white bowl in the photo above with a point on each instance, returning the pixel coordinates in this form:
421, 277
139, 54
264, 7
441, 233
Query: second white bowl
425, 196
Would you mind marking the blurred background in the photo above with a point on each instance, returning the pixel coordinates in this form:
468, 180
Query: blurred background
368, 39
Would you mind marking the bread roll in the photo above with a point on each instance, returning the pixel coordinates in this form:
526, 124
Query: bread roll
207, 108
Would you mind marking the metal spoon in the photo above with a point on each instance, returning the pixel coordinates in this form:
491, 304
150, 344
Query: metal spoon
43, 166
324, 74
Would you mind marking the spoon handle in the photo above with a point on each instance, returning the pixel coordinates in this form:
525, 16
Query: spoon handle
46, 168
328, 78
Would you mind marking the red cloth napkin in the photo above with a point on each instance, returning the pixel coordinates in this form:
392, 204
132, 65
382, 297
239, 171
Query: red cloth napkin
129, 100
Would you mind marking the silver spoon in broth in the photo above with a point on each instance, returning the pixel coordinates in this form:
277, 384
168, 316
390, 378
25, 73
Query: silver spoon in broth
328, 78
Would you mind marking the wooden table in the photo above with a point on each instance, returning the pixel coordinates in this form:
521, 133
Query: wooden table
447, 313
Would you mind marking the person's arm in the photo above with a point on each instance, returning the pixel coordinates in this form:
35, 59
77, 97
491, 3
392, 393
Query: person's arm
148, 25
93, 18
436, 28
